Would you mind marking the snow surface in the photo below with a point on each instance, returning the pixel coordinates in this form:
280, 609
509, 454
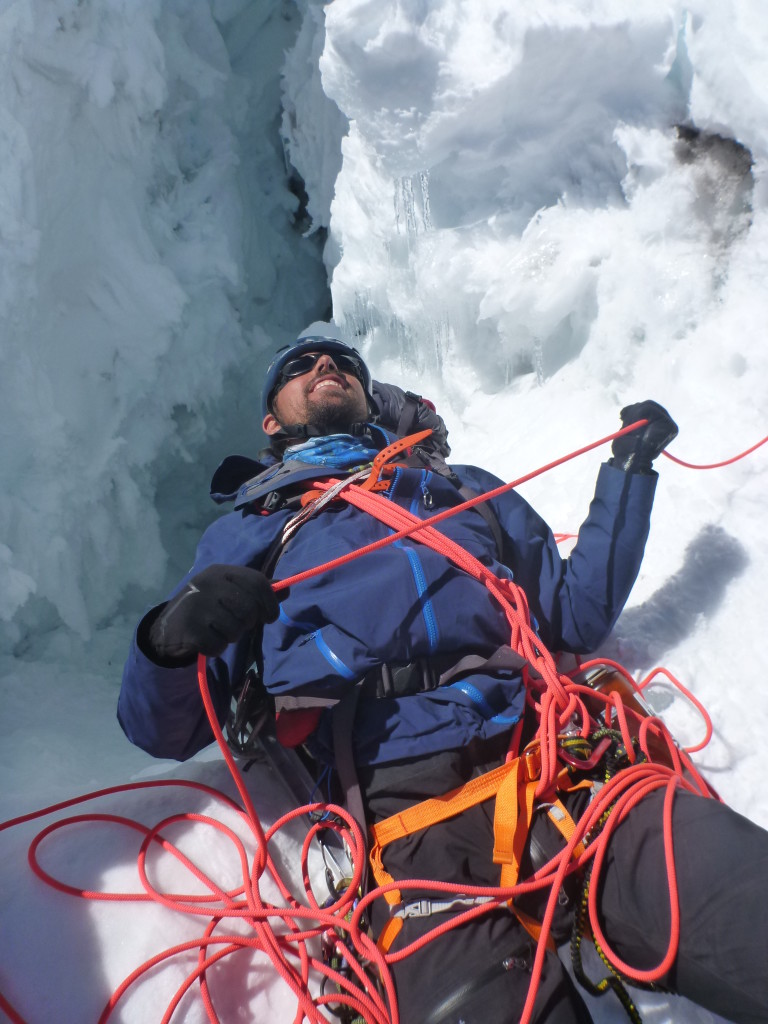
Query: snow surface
533, 213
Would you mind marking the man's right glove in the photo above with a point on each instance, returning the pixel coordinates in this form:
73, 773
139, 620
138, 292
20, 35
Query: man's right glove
216, 607
635, 452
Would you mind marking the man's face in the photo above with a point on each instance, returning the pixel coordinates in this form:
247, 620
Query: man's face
324, 397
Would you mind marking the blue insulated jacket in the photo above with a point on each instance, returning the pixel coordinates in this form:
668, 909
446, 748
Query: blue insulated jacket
402, 602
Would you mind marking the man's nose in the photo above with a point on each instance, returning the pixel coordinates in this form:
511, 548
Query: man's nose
325, 364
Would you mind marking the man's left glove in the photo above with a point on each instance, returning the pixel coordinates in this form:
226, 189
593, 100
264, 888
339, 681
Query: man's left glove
216, 607
635, 452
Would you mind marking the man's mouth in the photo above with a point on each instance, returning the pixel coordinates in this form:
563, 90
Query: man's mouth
328, 382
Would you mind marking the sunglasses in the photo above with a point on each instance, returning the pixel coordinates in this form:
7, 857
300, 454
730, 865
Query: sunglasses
304, 363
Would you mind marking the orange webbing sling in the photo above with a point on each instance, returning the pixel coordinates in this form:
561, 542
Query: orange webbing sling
513, 784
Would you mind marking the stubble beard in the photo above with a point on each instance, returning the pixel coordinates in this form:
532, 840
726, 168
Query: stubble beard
334, 414
335, 417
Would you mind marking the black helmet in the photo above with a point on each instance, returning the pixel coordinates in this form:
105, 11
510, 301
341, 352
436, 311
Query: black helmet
318, 337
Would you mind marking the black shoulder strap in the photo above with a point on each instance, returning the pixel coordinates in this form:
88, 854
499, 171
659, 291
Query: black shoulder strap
409, 415
253, 705
439, 466
489, 516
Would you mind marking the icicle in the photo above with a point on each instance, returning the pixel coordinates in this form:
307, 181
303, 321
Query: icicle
425, 209
538, 361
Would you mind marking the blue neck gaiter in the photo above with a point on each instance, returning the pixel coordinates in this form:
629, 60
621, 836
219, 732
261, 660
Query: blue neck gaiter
341, 451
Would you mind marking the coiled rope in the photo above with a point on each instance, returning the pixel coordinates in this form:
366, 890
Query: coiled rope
560, 705
286, 933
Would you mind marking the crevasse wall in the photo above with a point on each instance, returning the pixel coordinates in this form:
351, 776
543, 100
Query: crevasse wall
492, 213
149, 247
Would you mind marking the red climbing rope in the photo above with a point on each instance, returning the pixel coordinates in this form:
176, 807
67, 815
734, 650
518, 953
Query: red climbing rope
287, 932
561, 705
415, 527
10, 1011
717, 465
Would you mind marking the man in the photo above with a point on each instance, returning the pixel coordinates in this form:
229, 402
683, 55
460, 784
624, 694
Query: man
424, 647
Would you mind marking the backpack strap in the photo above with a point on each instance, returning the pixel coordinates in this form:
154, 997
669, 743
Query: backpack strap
409, 415
439, 466
490, 517
254, 706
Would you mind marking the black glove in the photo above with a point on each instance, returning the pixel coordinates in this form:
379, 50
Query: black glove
215, 608
635, 452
